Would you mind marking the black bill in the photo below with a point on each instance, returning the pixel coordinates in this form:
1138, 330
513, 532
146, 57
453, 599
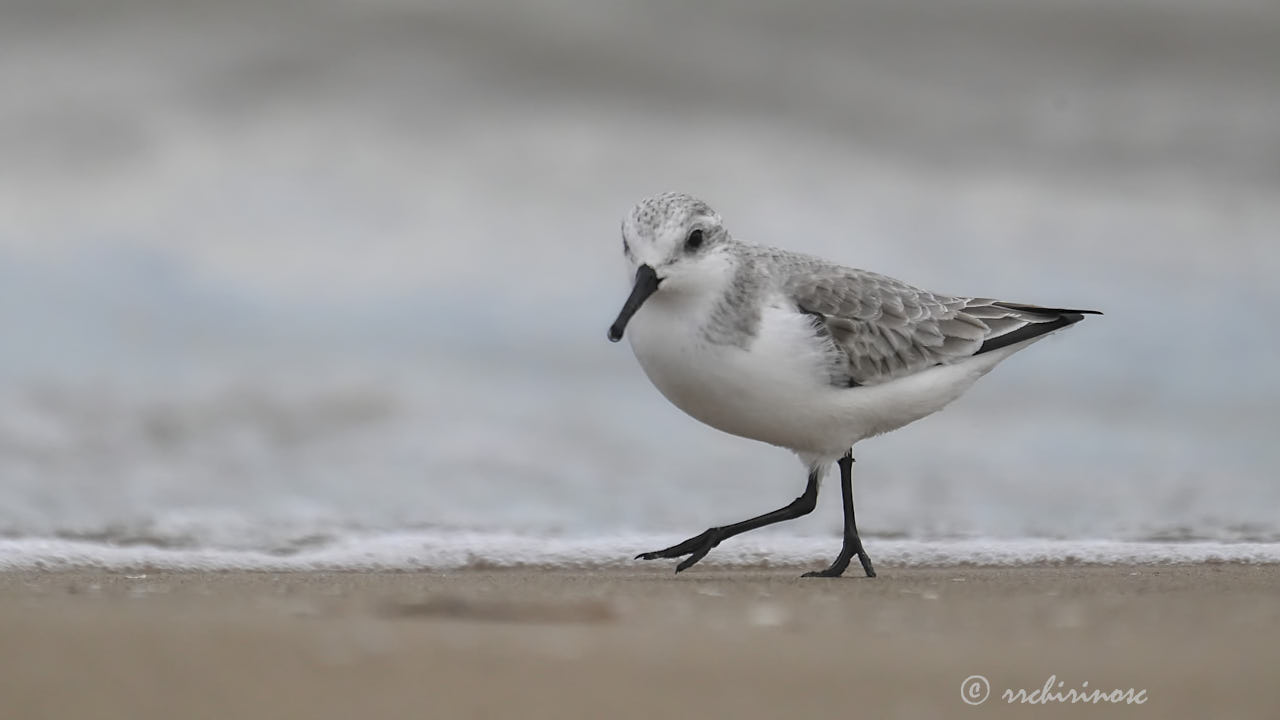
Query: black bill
646, 282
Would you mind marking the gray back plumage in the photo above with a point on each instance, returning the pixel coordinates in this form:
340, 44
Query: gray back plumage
886, 328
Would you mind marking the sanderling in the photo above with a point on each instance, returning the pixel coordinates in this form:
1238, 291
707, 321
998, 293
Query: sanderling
799, 352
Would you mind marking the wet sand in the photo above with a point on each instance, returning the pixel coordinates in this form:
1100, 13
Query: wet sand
1201, 641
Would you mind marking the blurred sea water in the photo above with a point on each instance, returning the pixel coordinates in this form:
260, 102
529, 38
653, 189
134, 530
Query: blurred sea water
272, 279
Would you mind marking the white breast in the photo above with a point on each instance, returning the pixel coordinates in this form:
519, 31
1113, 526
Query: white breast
777, 389
766, 391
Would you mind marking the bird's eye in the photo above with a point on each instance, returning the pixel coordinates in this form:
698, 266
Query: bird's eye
626, 247
694, 241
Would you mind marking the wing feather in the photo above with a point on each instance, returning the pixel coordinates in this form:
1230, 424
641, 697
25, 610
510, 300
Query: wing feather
889, 329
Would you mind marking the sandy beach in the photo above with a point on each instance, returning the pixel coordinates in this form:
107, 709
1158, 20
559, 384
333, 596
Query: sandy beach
1201, 641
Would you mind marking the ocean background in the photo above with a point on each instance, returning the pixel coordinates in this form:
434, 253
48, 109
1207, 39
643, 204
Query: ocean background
288, 285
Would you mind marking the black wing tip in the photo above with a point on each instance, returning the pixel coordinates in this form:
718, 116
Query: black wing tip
1065, 318
1046, 310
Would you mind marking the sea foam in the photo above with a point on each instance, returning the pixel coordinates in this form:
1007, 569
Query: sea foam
464, 550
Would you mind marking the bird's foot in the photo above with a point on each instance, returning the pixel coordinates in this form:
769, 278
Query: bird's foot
865, 559
695, 547
842, 562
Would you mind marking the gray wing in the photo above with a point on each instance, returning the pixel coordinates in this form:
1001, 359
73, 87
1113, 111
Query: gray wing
888, 329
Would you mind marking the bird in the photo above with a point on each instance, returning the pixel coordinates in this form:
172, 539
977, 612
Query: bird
799, 352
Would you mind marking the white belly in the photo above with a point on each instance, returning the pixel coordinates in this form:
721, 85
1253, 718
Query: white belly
763, 392
778, 390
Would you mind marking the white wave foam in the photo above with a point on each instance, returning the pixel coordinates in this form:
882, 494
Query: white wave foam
451, 551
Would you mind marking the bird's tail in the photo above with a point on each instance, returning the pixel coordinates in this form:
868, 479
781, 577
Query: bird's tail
1012, 323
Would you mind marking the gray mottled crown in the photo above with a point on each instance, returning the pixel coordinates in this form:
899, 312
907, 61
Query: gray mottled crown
653, 215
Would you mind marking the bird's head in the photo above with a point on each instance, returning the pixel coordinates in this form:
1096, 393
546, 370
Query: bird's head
674, 244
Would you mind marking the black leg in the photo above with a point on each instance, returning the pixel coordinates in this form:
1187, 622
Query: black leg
852, 543
697, 547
